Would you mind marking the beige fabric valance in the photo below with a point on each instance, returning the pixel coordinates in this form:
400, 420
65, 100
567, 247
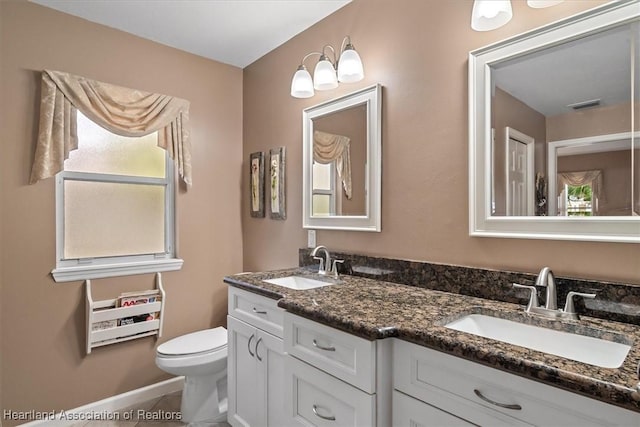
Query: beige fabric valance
123, 111
328, 147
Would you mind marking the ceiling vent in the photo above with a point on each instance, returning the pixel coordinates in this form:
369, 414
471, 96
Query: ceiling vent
584, 104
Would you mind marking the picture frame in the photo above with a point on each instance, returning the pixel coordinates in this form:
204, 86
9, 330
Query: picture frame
277, 162
256, 184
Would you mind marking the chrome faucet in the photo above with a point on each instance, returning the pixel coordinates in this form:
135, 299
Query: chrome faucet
547, 279
325, 264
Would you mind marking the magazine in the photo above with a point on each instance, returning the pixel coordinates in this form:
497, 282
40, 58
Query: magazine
134, 298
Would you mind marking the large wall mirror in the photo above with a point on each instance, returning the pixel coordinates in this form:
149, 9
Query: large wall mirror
554, 130
341, 165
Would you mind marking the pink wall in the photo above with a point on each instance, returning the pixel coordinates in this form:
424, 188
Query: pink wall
44, 365
418, 52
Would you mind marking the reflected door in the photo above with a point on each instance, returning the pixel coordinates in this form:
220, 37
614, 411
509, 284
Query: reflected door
516, 178
520, 173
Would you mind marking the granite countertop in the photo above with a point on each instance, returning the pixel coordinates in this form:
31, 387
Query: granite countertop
375, 309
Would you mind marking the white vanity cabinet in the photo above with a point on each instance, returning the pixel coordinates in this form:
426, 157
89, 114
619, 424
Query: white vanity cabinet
480, 395
334, 378
256, 361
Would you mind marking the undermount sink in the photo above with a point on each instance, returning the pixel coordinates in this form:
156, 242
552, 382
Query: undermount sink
299, 283
594, 351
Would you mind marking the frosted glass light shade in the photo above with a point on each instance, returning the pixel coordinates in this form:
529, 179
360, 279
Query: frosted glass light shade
539, 4
301, 84
488, 15
350, 67
324, 76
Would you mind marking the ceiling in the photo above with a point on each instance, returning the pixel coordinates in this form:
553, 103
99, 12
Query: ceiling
590, 68
236, 32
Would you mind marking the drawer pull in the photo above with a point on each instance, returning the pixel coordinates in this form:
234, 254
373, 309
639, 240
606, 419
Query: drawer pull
315, 344
257, 344
249, 345
324, 417
513, 406
259, 311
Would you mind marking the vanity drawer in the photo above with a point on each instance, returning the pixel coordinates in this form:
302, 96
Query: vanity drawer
345, 356
257, 310
408, 411
455, 386
318, 399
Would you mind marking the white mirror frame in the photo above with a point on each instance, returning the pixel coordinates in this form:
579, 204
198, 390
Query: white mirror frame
372, 97
481, 223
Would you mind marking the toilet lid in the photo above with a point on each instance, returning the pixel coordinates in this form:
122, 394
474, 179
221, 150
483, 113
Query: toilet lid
196, 342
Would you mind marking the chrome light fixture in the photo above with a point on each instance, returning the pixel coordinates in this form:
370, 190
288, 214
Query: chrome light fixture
327, 73
488, 15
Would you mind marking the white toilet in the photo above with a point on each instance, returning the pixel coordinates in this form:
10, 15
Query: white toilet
202, 358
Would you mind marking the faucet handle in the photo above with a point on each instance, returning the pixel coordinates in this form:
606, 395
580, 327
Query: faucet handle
533, 298
334, 266
569, 307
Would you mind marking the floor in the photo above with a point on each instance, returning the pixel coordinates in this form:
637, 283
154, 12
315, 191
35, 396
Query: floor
158, 412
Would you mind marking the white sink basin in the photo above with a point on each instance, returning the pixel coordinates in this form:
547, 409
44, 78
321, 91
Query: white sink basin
594, 351
299, 283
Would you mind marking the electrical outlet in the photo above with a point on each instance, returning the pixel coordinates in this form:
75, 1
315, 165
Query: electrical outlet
311, 238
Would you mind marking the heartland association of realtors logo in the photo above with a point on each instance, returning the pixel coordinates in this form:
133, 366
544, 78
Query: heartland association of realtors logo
62, 415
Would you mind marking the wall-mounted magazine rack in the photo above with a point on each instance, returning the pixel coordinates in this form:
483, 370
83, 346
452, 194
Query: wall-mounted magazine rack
102, 314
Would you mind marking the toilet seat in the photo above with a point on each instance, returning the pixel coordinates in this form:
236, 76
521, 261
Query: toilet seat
194, 344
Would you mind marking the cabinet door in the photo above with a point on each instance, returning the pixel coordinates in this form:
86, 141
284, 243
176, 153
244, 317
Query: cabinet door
242, 375
270, 359
408, 411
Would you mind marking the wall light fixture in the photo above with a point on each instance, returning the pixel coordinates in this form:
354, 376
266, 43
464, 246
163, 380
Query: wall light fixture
327, 73
488, 15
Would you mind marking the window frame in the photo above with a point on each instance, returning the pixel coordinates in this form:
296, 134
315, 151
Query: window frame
123, 265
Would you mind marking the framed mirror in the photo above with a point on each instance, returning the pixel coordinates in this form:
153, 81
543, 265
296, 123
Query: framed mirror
342, 162
554, 114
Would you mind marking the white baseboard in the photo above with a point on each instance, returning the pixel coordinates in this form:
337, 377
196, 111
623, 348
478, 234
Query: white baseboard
110, 405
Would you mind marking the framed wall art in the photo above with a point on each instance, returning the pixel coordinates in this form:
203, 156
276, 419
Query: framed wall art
277, 183
256, 184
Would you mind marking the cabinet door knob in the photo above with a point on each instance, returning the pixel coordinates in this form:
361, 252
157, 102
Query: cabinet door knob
324, 417
315, 344
513, 406
256, 311
257, 344
249, 345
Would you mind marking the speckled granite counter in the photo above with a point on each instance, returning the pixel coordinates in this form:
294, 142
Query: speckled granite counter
375, 309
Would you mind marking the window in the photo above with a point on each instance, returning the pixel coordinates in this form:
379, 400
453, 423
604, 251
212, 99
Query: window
324, 189
579, 200
114, 207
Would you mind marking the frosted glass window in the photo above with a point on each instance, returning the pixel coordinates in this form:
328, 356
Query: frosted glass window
112, 219
100, 151
321, 176
115, 204
321, 204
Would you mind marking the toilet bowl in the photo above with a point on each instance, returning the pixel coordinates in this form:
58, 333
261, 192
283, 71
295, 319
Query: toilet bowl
201, 357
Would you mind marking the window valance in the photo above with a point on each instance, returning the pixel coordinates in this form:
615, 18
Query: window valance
327, 148
123, 111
